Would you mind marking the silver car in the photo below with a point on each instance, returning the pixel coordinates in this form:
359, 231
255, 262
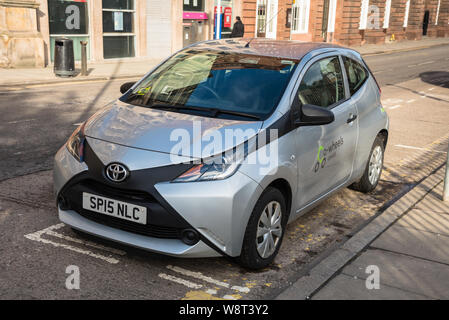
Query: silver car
217, 148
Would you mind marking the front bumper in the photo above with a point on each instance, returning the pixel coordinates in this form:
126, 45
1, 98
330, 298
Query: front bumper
217, 210
172, 247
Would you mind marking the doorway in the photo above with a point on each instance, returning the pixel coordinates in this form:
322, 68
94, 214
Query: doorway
425, 23
272, 13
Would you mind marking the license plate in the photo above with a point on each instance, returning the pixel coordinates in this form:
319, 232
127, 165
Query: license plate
115, 208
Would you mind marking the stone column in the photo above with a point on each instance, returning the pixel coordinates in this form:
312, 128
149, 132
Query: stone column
21, 44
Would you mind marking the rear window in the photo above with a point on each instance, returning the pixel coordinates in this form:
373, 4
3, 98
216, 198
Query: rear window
237, 82
356, 73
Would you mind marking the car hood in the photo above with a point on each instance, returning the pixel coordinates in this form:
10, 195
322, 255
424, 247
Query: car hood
169, 132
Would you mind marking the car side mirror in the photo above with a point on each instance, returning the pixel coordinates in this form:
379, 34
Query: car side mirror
311, 115
126, 86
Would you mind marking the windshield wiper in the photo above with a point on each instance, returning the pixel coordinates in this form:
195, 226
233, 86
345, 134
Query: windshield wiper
235, 113
213, 111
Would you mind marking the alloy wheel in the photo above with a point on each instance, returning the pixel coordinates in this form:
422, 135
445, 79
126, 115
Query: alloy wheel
269, 229
375, 165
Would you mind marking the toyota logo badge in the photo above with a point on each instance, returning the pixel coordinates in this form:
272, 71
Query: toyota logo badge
117, 172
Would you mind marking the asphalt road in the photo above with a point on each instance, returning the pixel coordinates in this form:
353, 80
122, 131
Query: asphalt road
35, 249
394, 68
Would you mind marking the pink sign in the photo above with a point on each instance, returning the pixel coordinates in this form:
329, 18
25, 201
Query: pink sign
195, 15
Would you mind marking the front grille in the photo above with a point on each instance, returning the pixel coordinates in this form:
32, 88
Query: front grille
164, 224
146, 230
119, 194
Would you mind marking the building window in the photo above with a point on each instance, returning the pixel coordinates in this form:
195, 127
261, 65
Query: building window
261, 17
438, 12
118, 29
387, 14
68, 19
193, 5
300, 21
364, 14
332, 15
407, 10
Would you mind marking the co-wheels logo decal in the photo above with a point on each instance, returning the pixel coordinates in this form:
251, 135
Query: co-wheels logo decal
326, 154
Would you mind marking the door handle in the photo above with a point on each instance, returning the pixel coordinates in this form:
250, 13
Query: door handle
351, 118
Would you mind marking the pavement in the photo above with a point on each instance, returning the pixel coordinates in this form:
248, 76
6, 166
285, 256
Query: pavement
123, 68
407, 246
109, 70
400, 46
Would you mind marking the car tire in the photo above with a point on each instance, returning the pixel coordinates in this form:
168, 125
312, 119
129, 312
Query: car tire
258, 251
373, 169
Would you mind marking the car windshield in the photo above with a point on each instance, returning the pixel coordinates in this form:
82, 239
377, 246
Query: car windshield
226, 83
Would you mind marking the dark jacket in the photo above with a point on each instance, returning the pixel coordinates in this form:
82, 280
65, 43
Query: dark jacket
238, 30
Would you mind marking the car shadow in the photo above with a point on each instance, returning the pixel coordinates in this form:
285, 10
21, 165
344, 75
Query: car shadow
437, 78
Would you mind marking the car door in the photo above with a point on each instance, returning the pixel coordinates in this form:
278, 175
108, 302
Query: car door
325, 153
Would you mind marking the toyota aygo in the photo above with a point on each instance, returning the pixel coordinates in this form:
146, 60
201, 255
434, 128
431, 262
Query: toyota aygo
217, 148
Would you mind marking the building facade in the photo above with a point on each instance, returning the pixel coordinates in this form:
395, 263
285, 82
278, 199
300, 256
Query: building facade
347, 22
142, 29
113, 29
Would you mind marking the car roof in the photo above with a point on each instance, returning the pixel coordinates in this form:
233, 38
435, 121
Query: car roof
287, 49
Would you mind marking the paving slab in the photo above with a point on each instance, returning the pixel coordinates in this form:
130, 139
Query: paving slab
433, 201
417, 243
344, 287
426, 221
411, 274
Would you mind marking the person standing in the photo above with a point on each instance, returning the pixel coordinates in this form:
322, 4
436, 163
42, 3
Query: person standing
239, 28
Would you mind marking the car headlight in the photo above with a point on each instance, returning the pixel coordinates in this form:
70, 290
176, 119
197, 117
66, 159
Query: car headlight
75, 144
216, 168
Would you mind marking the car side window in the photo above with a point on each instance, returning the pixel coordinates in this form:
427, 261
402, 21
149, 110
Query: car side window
322, 85
356, 73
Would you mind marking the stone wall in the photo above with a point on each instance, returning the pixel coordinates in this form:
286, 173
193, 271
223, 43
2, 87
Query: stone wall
21, 44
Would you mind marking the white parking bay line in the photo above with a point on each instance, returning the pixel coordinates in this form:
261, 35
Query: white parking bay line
394, 107
184, 282
86, 243
37, 236
200, 276
20, 121
423, 63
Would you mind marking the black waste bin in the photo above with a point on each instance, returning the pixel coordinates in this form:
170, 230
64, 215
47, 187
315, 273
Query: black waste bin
64, 63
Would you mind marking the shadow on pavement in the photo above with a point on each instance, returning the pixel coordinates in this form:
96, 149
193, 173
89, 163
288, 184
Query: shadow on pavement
437, 78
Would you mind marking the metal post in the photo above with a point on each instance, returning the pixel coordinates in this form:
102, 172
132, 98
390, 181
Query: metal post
218, 20
83, 58
446, 179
